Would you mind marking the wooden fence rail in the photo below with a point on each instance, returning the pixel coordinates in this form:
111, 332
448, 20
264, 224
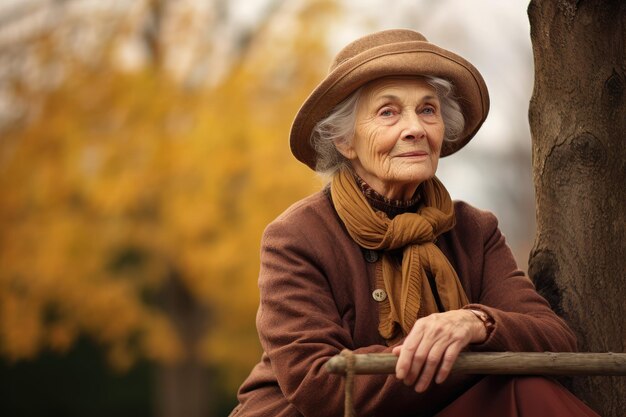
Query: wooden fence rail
508, 363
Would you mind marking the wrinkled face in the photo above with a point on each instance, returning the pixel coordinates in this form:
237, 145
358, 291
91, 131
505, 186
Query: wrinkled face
398, 135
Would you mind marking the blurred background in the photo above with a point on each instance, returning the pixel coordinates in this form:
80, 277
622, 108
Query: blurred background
143, 149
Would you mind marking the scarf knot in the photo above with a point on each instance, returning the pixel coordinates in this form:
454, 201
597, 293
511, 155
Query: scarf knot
408, 229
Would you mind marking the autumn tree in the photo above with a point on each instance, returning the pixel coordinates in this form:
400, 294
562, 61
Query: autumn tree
578, 124
132, 205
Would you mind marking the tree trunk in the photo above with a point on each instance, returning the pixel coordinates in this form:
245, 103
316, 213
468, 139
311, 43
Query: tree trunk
578, 125
184, 389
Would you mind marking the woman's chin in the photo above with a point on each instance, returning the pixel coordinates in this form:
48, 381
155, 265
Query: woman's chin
414, 177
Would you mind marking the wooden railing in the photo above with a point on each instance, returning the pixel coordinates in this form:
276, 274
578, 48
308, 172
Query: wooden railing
508, 363
487, 363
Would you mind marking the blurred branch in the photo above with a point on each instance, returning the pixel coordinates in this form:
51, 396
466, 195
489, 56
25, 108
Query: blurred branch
17, 12
246, 37
26, 21
151, 29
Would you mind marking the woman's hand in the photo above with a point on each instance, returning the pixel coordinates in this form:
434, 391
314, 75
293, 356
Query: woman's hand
433, 345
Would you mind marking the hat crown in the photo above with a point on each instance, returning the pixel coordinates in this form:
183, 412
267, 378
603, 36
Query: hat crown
373, 40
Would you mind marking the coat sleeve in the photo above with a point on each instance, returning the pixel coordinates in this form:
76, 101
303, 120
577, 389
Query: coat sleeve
524, 321
300, 329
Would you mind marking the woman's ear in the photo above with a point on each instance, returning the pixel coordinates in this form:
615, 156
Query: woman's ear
345, 148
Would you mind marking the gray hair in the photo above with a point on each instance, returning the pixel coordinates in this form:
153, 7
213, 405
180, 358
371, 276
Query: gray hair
339, 125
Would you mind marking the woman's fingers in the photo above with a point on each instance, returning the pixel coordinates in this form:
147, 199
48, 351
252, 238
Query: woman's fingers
449, 357
430, 366
431, 348
419, 361
407, 352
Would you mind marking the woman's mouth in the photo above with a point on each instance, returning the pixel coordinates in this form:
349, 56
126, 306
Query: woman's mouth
413, 154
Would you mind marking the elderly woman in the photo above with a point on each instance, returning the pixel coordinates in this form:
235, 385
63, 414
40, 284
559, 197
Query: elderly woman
383, 261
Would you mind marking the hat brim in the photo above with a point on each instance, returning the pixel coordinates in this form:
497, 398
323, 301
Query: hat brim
399, 59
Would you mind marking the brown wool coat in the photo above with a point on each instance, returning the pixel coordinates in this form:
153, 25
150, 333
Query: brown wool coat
315, 300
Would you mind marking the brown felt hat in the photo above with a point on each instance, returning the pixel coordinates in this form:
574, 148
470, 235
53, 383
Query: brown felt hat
395, 52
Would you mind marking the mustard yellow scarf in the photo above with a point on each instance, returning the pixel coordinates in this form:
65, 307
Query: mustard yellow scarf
409, 295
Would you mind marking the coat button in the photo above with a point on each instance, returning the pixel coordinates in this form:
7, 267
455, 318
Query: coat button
371, 256
379, 295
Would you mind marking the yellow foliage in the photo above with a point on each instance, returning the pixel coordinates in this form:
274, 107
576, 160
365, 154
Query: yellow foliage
124, 182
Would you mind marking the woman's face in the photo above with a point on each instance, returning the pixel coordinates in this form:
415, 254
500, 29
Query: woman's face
398, 136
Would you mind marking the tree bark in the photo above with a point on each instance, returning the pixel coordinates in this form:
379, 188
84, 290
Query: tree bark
578, 125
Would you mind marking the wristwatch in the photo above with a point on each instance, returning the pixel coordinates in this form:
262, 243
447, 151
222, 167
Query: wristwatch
487, 320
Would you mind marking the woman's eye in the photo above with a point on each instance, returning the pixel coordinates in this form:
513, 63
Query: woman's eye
428, 111
386, 112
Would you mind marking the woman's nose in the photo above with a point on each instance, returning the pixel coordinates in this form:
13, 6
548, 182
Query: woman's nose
414, 128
